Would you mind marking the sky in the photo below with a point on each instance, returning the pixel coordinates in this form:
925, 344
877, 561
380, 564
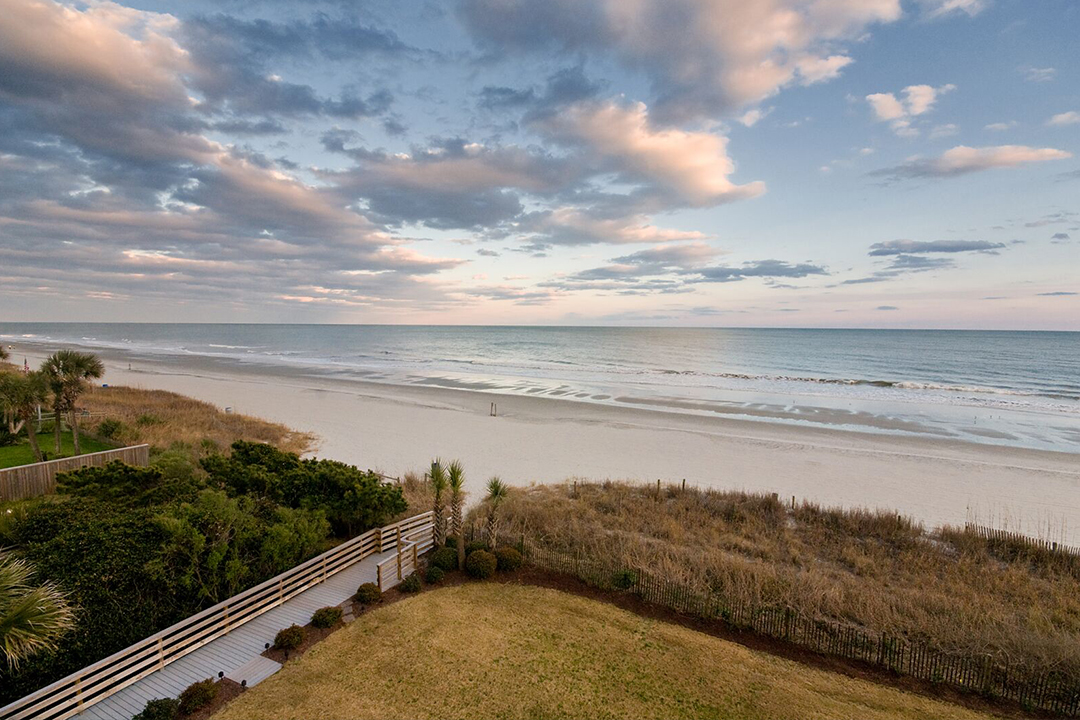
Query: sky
793, 163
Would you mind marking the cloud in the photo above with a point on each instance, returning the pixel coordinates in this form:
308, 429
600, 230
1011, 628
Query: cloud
760, 268
579, 226
1060, 237
1057, 293
1001, 126
750, 118
1039, 75
939, 8
899, 247
886, 307
702, 57
684, 167
1066, 118
946, 130
918, 100
962, 160
484, 252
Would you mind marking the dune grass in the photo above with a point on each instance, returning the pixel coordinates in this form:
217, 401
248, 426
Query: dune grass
21, 454
486, 650
169, 420
875, 570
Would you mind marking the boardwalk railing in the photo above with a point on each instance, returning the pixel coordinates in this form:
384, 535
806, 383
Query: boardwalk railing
92, 684
1014, 538
411, 544
27, 481
1045, 690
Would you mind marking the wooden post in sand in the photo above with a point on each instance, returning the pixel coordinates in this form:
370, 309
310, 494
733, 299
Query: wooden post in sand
658, 489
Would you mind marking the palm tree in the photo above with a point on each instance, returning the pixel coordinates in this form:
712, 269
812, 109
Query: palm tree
21, 396
438, 487
4, 355
456, 481
32, 617
69, 372
497, 492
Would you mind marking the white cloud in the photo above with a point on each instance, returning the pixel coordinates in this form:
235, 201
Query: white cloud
750, 118
937, 8
1066, 118
691, 166
962, 160
918, 100
1001, 126
1039, 75
941, 131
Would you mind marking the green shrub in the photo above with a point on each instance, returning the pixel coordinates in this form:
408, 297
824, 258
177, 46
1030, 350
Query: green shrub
160, 709
368, 594
7, 438
471, 547
326, 617
410, 584
147, 420
197, 696
434, 575
624, 579
481, 564
111, 428
451, 541
289, 638
444, 558
508, 559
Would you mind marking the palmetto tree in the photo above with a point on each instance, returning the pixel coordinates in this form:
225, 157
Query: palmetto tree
21, 395
497, 492
69, 372
32, 616
456, 481
438, 487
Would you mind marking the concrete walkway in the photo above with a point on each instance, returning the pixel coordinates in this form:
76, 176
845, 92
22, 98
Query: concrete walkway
238, 654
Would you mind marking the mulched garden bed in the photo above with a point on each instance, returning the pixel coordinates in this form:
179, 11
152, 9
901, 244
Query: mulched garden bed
227, 690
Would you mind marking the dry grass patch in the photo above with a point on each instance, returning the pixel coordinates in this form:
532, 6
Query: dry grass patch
875, 570
487, 650
165, 419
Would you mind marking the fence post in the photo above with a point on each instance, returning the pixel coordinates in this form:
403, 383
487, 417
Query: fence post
378, 576
415, 564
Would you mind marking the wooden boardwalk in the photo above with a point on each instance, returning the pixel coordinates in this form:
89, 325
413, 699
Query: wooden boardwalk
237, 654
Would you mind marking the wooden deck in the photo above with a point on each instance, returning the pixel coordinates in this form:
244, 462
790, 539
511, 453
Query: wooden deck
237, 654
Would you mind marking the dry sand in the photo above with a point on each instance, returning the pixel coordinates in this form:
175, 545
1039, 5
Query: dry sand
395, 429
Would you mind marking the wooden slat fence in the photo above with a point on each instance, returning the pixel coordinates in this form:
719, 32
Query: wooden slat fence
78, 691
1005, 536
1047, 690
411, 544
27, 481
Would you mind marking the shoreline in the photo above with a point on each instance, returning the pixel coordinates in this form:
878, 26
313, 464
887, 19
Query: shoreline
397, 428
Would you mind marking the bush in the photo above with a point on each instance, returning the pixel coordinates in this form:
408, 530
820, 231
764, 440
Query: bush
451, 541
7, 438
624, 579
160, 709
444, 558
471, 547
481, 564
111, 428
410, 584
290, 638
197, 696
368, 594
434, 575
148, 420
326, 617
508, 559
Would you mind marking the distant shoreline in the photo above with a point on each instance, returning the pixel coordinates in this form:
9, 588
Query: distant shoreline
395, 428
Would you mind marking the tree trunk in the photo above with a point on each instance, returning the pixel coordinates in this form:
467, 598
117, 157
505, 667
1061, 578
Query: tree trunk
440, 526
75, 429
31, 435
457, 529
57, 414
492, 528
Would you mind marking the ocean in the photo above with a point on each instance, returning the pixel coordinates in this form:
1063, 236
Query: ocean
1009, 388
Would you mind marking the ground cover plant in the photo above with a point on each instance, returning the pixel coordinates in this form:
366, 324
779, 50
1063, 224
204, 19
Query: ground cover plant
536, 652
175, 538
874, 570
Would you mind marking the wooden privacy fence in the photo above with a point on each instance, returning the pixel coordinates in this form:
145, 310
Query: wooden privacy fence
78, 691
1005, 536
1047, 690
27, 481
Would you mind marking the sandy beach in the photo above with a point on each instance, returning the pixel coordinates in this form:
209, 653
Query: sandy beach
395, 429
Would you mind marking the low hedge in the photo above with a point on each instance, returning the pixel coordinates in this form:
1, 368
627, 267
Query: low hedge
508, 559
410, 584
160, 709
368, 594
445, 558
326, 617
481, 564
434, 575
197, 695
289, 638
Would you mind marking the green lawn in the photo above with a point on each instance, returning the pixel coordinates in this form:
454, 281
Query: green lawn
486, 650
21, 454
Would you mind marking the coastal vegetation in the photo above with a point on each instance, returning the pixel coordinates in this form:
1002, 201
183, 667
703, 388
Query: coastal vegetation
1016, 605
537, 652
176, 537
